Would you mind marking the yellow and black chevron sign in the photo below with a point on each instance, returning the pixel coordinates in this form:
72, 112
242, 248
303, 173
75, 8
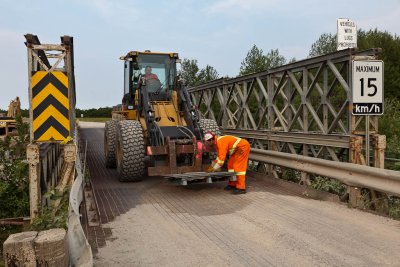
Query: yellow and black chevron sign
50, 106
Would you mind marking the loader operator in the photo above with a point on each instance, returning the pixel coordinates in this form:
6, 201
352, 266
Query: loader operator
238, 150
148, 75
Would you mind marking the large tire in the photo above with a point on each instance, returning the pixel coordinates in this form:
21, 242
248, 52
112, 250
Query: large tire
110, 140
130, 151
208, 125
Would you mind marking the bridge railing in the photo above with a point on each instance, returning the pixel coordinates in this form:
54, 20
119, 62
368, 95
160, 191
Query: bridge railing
54, 162
51, 152
51, 167
302, 108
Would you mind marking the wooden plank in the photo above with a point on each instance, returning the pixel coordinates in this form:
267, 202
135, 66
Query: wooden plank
34, 179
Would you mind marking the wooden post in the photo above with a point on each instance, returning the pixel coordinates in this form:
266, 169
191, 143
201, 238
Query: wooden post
32, 153
379, 142
356, 156
379, 199
70, 154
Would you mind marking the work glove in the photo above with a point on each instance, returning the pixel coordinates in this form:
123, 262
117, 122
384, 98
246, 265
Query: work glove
210, 169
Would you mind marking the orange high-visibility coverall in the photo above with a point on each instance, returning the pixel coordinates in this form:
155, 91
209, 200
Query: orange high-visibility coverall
238, 149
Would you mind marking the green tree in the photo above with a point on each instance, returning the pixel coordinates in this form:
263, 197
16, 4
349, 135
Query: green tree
253, 62
189, 71
390, 45
14, 181
256, 61
207, 74
94, 112
325, 44
193, 75
273, 59
389, 125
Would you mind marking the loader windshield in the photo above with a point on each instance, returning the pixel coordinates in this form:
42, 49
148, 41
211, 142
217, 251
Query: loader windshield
159, 71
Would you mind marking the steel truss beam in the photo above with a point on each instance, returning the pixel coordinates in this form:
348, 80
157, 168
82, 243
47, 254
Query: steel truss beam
299, 108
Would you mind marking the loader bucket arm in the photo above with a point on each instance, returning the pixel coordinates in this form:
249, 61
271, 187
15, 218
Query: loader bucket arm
155, 135
190, 111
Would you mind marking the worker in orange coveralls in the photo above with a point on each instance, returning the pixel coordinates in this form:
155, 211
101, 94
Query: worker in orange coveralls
238, 149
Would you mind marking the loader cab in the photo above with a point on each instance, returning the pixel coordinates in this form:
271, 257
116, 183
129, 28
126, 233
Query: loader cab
163, 74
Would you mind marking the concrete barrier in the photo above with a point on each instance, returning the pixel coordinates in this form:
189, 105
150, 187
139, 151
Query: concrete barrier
46, 248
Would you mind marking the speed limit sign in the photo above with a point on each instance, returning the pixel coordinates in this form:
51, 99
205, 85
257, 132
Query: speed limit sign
367, 87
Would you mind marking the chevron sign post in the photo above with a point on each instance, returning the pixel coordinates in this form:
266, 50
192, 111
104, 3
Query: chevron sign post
50, 106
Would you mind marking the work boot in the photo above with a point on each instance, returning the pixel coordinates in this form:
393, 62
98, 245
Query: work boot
229, 187
239, 191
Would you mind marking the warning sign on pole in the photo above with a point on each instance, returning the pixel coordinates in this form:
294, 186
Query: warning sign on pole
346, 34
367, 86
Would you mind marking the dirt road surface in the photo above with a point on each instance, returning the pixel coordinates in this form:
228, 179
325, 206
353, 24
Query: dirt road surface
153, 223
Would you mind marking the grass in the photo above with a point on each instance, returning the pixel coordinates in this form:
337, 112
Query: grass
94, 119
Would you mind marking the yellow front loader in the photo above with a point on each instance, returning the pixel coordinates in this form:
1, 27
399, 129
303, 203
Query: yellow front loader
156, 129
8, 124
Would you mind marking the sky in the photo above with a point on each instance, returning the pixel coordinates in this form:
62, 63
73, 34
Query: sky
215, 32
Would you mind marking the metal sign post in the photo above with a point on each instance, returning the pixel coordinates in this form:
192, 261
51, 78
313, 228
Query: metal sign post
367, 140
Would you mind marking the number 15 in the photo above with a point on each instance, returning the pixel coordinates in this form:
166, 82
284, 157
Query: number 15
370, 85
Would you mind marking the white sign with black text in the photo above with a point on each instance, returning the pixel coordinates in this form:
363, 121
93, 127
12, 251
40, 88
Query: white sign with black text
346, 34
367, 87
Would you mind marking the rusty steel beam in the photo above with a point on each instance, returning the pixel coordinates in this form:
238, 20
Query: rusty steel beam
387, 181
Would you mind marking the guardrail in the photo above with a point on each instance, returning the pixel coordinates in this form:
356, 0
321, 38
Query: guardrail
79, 248
387, 181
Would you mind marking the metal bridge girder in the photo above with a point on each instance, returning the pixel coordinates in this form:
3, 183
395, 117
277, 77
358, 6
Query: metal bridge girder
298, 108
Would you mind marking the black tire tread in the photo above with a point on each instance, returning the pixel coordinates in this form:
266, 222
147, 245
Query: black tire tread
132, 165
110, 136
